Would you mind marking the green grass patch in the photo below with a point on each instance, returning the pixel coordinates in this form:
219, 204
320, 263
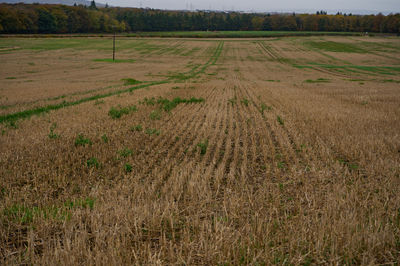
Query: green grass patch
82, 141
137, 128
53, 135
330, 46
351, 166
155, 115
119, 111
131, 82
104, 138
168, 105
11, 78
355, 80
382, 70
153, 131
128, 168
92, 163
280, 120
245, 101
264, 107
232, 101
320, 80
26, 215
390, 81
148, 101
203, 146
125, 152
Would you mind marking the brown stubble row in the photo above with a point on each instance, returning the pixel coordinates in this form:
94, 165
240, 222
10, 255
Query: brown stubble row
349, 132
237, 203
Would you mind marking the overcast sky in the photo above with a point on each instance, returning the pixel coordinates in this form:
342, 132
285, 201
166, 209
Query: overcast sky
363, 6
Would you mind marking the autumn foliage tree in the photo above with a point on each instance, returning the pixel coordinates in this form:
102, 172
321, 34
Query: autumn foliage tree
38, 18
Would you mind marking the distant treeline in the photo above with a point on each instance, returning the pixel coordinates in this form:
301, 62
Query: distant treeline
41, 18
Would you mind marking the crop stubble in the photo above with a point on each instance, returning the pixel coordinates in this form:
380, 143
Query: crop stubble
318, 185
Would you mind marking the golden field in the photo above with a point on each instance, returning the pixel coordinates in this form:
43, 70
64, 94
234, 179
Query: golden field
205, 152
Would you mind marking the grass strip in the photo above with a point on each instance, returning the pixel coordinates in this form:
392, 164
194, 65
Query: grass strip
37, 111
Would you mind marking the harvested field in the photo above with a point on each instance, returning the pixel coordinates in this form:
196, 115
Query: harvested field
188, 151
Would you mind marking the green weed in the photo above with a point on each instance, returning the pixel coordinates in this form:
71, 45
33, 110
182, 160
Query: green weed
280, 120
168, 105
153, 131
131, 82
232, 101
11, 78
383, 70
12, 124
245, 101
351, 166
155, 115
281, 165
53, 135
117, 112
92, 162
82, 141
137, 128
104, 138
391, 81
128, 168
26, 215
203, 146
125, 152
320, 80
148, 101
264, 107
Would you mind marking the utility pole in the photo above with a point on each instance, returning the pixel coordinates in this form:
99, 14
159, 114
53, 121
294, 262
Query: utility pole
114, 43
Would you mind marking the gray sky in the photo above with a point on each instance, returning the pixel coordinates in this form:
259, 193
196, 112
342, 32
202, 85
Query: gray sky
332, 6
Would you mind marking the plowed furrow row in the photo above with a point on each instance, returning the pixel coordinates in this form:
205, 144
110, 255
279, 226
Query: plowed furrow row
233, 162
219, 145
273, 137
179, 126
226, 154
190, 137
201, 173
262, 147
286, 152
255, 152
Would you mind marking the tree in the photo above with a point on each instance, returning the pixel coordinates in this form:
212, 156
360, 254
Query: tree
93, 5
257, 23
46, 21
38, 18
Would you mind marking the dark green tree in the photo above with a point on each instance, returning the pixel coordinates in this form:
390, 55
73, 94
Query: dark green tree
93, 5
